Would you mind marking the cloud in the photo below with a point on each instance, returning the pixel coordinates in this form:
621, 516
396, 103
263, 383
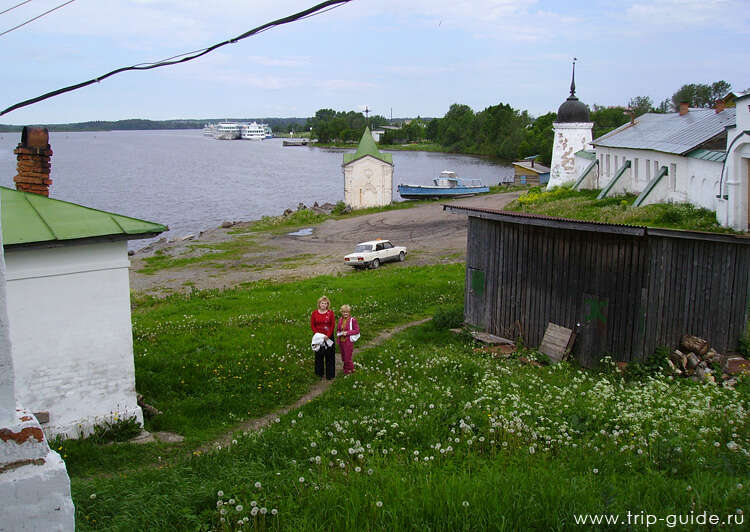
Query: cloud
678, 14
343, 84
279, 62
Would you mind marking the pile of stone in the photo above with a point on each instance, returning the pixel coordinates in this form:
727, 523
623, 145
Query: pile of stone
326, 208
697, 360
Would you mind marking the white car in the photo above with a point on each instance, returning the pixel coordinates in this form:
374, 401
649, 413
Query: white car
373, 253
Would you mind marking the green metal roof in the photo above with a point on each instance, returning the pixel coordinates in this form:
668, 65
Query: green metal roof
30, 218
586, 154
708, 155
366, 147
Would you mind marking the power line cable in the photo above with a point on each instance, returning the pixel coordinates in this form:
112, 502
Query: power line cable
189, 56
36, 17
15, 6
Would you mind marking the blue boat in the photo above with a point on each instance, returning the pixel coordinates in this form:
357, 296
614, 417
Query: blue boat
447, 185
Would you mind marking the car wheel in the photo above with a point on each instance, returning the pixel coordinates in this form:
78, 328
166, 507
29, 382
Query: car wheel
401, 257
375, 264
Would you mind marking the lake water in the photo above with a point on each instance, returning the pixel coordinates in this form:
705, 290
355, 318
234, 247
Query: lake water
191, 182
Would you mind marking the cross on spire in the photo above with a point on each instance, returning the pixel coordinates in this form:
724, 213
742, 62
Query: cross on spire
573, 81
367, 116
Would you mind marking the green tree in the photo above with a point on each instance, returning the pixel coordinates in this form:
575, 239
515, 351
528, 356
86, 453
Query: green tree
538, 139
455, 127
640, 105
433, 129
606, 119
700, 94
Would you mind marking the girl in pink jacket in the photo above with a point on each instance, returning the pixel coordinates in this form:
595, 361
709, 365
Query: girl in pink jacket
347, 328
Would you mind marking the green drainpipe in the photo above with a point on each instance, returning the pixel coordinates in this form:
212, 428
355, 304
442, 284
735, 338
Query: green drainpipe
651, 185
618, 175
585, 173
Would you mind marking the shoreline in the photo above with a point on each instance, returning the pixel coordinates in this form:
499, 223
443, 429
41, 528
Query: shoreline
231, 255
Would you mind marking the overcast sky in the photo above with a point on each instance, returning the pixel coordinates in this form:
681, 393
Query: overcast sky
405, 57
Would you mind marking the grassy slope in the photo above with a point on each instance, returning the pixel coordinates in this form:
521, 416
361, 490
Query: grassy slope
448, 439
583, 205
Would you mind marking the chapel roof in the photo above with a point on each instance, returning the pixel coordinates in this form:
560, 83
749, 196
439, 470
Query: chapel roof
29, 218
367, 147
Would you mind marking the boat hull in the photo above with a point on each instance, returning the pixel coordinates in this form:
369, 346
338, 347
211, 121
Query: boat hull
422, 192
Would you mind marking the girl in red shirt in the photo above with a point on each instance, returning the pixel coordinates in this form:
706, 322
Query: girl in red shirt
323, 321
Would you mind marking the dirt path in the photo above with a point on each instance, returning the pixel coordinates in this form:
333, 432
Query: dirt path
430, 234
317, 389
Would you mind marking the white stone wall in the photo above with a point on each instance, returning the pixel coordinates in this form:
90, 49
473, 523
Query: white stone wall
689, 180
368, 182
569, 138
34, 483
733, 208
592, 179
703, 182
70, 325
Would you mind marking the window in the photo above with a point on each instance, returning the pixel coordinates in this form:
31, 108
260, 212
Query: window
635, 168
617, 165
387, 245
656, 168
648, 169
608, 168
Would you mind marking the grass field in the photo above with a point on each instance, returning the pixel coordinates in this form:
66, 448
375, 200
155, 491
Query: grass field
428, 434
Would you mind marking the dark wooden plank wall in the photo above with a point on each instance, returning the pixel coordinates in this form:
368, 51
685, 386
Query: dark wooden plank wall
630, 294
698, 287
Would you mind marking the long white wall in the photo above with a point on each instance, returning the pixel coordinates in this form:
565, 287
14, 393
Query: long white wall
689, 179
70, 325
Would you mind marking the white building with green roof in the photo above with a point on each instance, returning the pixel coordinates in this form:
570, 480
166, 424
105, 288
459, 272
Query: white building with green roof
68, 295
368, 175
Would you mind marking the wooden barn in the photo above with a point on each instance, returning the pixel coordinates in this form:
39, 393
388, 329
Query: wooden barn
626, 289
530, 172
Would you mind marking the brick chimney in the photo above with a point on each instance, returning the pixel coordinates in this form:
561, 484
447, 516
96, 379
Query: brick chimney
719, 106
684, 108
34, 165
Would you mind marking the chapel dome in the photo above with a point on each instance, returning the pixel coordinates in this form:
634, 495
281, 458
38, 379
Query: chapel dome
573, 110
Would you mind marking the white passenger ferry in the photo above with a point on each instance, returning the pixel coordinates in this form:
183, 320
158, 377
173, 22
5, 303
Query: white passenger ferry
228, 131
253, 131
238, 130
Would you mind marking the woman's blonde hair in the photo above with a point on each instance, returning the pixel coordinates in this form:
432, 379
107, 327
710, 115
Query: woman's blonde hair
324, 298
345, 308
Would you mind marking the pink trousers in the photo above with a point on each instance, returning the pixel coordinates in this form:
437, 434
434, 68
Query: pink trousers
347, 349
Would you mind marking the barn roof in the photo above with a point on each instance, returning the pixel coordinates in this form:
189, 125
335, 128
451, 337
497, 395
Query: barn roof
29, 218
535, 167
591, 226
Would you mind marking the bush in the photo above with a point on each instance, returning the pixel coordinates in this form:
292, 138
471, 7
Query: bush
117, 430
449, 317
654, 364
339, 208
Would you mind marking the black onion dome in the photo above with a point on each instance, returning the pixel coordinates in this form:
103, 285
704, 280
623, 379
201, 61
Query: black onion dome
572, 109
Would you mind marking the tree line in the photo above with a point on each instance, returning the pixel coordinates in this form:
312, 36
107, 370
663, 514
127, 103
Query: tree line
502, 132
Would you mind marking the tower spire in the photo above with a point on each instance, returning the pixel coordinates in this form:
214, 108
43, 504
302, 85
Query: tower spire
573, 80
